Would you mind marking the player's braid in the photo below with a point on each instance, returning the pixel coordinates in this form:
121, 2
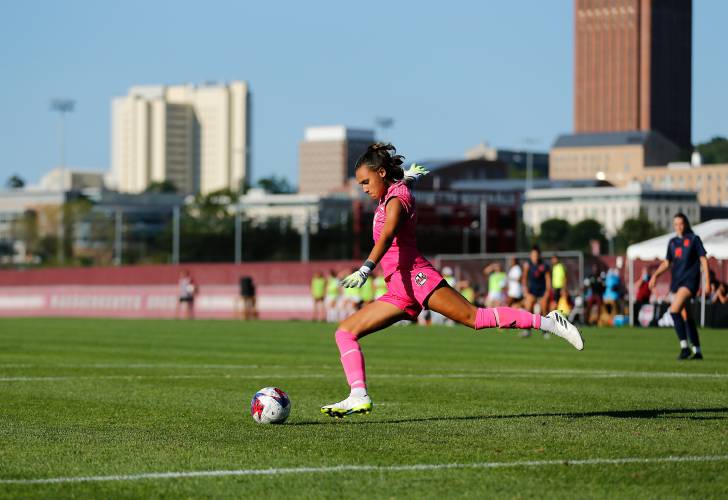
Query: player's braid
381, 155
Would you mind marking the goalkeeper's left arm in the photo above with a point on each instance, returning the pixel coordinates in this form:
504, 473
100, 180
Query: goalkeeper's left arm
414, 173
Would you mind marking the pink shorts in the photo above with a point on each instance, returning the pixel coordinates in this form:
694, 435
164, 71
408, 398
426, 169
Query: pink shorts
408, 290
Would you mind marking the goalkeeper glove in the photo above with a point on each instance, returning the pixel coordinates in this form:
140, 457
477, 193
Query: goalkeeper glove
359, 277
415, 172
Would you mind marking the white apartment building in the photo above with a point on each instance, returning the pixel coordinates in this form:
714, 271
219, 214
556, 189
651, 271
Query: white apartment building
72, 179
315, 210
611, 206
197, 137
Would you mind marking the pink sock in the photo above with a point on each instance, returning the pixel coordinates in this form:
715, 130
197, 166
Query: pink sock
506, 317
351, 359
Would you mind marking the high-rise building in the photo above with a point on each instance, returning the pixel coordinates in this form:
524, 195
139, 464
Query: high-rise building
196, 137
327, 157
633, 67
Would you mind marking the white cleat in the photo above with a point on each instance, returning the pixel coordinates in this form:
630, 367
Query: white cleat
349, 406
566, 330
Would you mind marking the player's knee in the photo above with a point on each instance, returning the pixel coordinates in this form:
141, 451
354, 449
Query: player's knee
469, 317
348, 325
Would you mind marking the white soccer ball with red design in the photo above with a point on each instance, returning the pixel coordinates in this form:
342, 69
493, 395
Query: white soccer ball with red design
270, 405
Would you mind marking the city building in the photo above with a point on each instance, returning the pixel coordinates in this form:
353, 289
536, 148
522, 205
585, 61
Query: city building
327, 156
617, 157
517, 160
611, 206
196, 137
316, 211
72, 179
633, 67
709, 181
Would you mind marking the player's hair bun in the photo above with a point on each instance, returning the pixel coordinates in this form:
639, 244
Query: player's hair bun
381, 155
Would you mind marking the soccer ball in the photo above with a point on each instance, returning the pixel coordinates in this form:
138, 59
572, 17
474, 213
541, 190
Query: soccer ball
270, 405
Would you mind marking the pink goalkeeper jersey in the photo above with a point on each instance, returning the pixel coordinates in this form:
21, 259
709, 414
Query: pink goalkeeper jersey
403, 253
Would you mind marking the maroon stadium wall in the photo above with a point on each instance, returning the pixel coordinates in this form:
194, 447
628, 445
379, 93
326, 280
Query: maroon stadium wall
282, 290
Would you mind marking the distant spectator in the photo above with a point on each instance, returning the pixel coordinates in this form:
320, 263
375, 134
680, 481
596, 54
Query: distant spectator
366, 292
537, 282
331, 302
558, 278
537, 285
380, 285
594, 289
564, 302
352, 297
427, 317
515, 287
722, 294
642, 297
247, 296
449, 276
714, 287
187, 292
467, 291
318, 294
497, 281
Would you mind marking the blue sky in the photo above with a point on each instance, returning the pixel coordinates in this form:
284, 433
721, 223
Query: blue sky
451, 74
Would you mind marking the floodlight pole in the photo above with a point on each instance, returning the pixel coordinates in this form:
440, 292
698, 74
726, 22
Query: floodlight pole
175, 234
305, 238
238, 233
384, 123
483, 226
117, 238
62, 106
529, 141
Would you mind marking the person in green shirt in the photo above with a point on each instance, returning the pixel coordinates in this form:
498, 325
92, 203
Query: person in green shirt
558, 278
467, 291
496, 285
318, 291
331, 302
380, 286
352, 299
366, 292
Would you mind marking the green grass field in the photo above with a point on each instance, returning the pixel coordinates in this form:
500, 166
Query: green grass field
492, 415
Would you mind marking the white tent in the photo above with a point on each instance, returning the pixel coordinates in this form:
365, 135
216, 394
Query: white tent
714, 235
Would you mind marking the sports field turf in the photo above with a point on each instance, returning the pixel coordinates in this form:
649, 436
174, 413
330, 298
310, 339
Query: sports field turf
457, 413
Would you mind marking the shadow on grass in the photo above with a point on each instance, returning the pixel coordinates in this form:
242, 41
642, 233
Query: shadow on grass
673, 413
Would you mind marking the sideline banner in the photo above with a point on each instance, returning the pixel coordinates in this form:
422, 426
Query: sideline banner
151, 301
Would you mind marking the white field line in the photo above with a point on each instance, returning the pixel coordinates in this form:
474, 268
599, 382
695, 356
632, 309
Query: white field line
156, 377
138, 365
457, 373
582, 374
367, 468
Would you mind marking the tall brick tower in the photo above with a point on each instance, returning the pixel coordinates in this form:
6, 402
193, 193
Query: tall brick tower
633, 67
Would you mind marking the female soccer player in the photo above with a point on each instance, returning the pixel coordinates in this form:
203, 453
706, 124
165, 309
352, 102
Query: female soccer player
413, 283
685, 254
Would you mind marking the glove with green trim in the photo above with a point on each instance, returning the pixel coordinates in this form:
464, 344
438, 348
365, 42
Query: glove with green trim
358, 277
415, 172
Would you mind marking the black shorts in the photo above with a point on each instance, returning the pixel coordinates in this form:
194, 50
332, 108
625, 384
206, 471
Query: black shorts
537, 293
187, 299
691, 284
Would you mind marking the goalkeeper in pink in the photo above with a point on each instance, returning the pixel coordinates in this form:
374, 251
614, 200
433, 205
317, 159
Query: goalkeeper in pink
412, 282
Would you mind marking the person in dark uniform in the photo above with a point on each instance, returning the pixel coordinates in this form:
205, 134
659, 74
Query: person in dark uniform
685, 257
247, 297
187, 293
536, 284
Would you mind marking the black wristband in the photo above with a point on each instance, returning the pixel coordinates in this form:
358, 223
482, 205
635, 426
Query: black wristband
371, 265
